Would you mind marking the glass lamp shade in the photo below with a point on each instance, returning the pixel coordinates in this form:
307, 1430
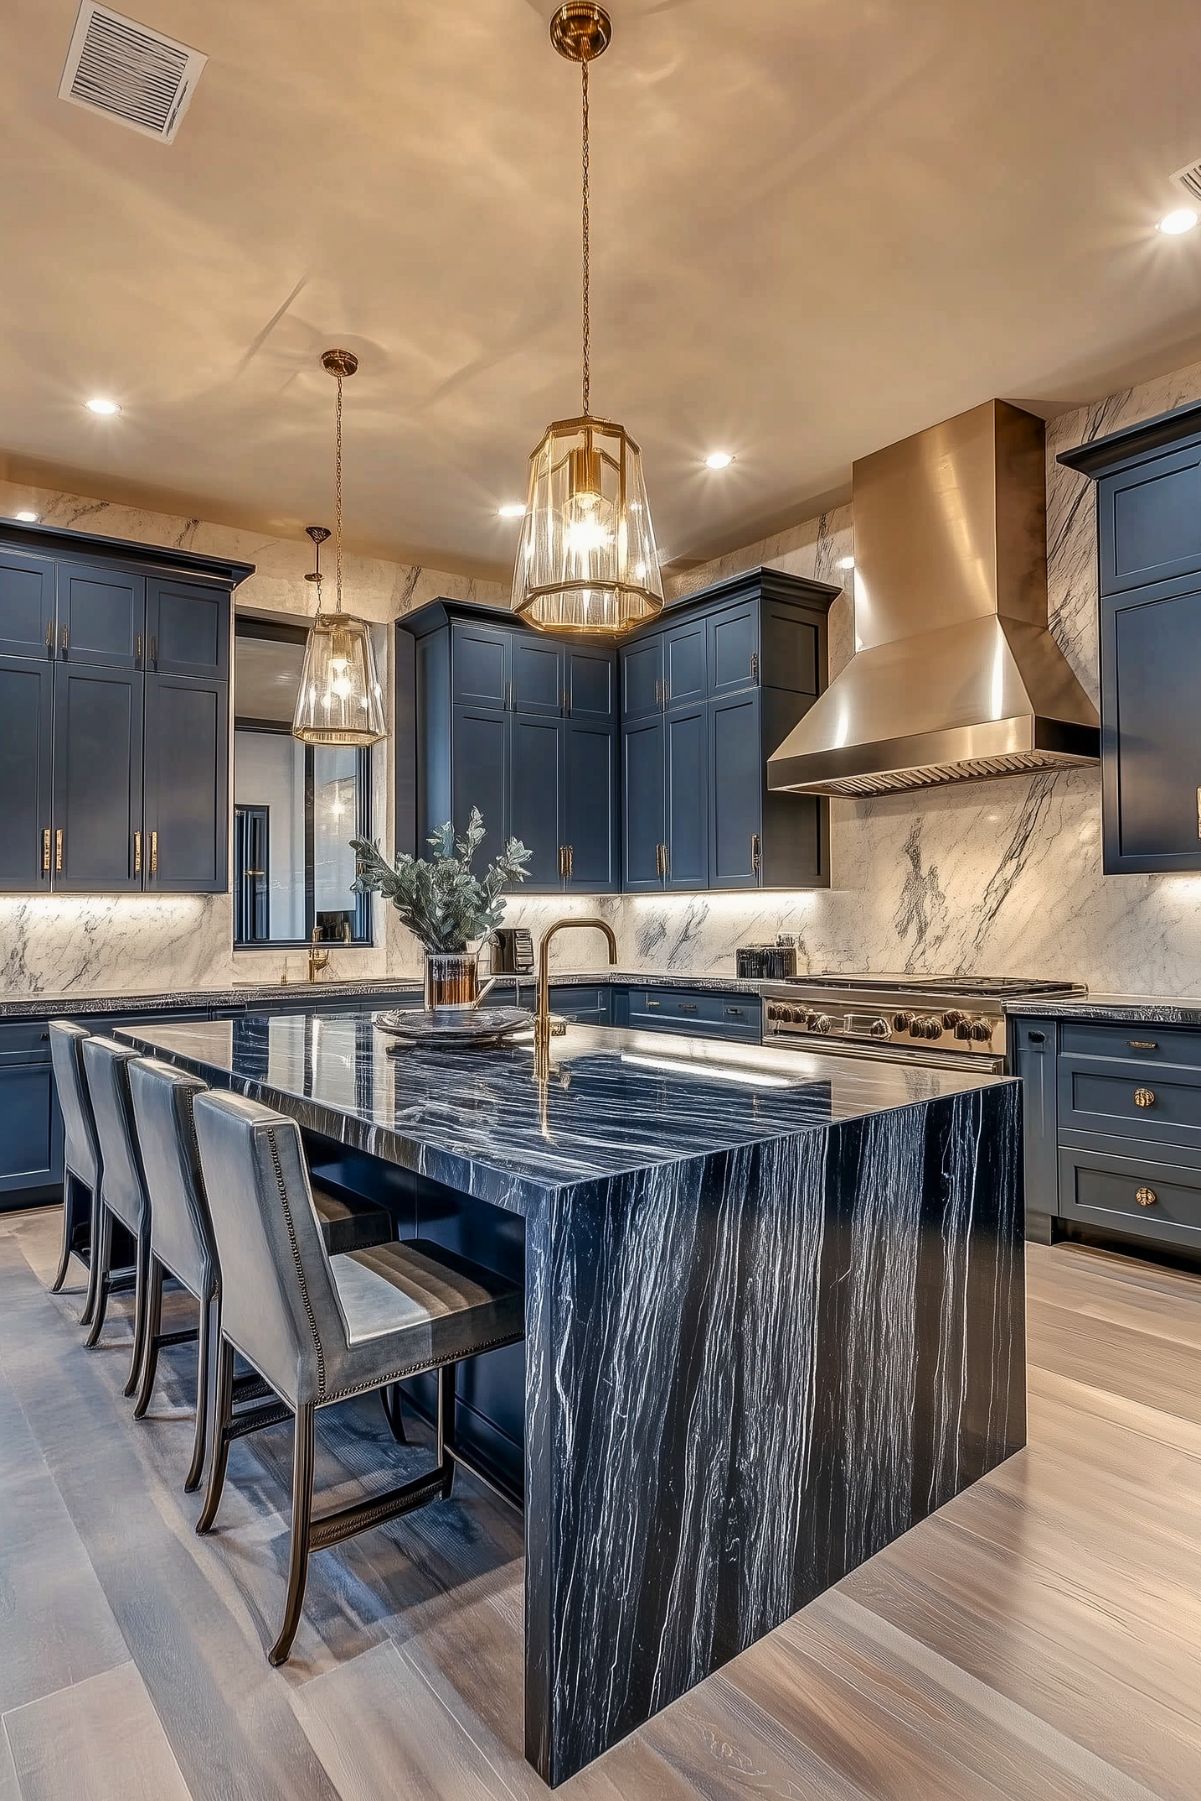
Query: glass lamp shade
340, 700
587, 560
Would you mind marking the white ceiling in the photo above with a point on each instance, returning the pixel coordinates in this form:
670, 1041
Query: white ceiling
818, 225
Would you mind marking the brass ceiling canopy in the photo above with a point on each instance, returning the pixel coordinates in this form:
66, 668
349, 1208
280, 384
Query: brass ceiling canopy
587, 560
339, 700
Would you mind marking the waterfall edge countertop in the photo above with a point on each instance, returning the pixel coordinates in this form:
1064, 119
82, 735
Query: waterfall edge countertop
617, 1102
773, 1307
1114, 1009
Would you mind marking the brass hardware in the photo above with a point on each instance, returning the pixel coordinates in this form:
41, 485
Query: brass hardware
1143, 1044
652, 1004
581, 30
755, 855
154, 852
137, 853
1146, 1197
58, 850
154, 652
318, 960
50, 639
571, 862
46, 850
754, 665
666, 862
1144, 1097
508, 697
1199, 812
542, 1025
137, 648
562, 863
64, 639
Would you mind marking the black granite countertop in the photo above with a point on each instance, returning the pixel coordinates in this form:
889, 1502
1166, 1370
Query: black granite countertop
1117, 1009
617, 1102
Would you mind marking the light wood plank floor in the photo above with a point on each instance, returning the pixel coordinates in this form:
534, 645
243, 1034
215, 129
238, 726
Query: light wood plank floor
1041, 1637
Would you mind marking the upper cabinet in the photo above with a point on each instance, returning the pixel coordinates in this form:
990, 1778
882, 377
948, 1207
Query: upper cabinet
114, 715
1148, 480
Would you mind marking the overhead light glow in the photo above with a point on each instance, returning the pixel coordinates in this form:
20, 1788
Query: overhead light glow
106, 408
28, 518
512, 509
846, 562
1177, 222
719, 459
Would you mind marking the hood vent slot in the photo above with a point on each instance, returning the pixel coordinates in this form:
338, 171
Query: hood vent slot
1189, 178
129, 72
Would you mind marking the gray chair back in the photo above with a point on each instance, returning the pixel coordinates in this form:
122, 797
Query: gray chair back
181, 1233
279, 1305
122, 1186
80, 1152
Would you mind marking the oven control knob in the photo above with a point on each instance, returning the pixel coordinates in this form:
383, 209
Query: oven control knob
953, 1018
779, 1012
819, 1022
979, 1031
926, 1027
902, 1021
880, 1028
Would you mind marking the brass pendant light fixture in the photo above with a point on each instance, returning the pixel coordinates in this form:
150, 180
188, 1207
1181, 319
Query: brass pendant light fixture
587, 560
340, 700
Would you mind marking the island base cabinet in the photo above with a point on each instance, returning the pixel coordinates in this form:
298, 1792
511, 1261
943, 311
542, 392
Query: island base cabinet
31, 1130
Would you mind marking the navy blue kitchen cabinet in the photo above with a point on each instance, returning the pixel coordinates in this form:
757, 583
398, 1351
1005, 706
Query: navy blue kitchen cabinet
26, 810
521, 726
727, 684
697, 1012
31, 1132
1148, 500
114, 715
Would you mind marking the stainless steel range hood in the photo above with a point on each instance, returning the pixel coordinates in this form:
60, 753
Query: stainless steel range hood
955, 676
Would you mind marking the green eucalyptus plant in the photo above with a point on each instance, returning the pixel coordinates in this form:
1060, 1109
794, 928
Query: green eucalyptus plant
438, 897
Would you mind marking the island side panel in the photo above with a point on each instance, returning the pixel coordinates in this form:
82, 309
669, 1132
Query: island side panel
745, 1375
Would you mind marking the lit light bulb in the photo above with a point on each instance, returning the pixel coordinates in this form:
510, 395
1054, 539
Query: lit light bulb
1175, 223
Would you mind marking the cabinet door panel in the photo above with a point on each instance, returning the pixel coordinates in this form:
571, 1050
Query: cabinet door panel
479, 664
642, 679
1149, 520
588, 798
535, 803
733, 648
26, 746
687, 799
537, 676
26, 604
31, 1136
643, 804
97, 778
685, 661
102, 610
735, 792
479, 772
187, 781
1151, 744
590, 679
187, 628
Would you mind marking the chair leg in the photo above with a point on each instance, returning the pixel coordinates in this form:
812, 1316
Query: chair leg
446, 1425
393, 1412
141, 1307
70, 1190
223, 1404
210, 1335
102, 1250
154, 1327
89, 1303
302, 1513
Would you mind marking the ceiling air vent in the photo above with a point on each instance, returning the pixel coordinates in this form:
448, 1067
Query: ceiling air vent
130, 72
1189, 178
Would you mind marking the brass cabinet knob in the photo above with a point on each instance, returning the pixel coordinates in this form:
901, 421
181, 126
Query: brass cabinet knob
1144, 1097
1146, 1197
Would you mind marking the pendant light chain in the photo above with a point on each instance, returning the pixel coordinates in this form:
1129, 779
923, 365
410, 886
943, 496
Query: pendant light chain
587, 271
338, 503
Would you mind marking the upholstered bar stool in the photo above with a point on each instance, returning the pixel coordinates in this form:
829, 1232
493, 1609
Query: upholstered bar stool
320, 1330
81, 1155
122, 1186
181, 1232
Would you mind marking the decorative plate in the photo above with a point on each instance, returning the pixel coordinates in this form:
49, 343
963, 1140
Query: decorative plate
444, 1026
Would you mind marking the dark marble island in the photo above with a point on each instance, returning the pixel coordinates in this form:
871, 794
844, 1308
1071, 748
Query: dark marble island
774, 1315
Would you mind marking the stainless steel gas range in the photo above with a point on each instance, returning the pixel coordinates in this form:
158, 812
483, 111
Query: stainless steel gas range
922, 1019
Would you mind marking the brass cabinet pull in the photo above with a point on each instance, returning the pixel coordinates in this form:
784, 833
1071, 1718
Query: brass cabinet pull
659, 861
1146, 1197
137, 649
1142, 1044
154, 652
154, 852
754, 665
50, 639
64, 639
58, 849
666, 862
570, 861
1144, 1097
1199, 812
755, 854
46, 850
137, 853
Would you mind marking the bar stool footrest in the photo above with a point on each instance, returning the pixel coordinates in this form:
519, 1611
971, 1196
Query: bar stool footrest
254, 1419
331, 1528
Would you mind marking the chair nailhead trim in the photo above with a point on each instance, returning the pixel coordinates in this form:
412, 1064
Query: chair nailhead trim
421, 1369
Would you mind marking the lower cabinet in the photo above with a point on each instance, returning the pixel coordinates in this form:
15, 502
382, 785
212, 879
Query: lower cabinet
31, 1130
701, 1013
586, 1005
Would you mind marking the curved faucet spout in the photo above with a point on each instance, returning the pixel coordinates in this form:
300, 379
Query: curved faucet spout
542, 1008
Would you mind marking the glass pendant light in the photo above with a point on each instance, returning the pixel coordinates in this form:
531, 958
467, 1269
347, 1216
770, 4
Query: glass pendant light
587, 560
340, 700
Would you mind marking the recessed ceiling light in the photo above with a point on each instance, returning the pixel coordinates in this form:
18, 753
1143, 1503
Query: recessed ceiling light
28, 518
846, 562
1175, 223
512, 509
106, 408
719, 459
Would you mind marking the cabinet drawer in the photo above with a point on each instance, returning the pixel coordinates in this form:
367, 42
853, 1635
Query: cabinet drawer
26, 1041
1162, 1105
589, 1006
1134, 1044
688, 1010
1098, 1189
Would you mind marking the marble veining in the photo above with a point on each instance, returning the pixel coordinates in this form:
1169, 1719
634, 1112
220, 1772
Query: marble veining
1118, 1009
